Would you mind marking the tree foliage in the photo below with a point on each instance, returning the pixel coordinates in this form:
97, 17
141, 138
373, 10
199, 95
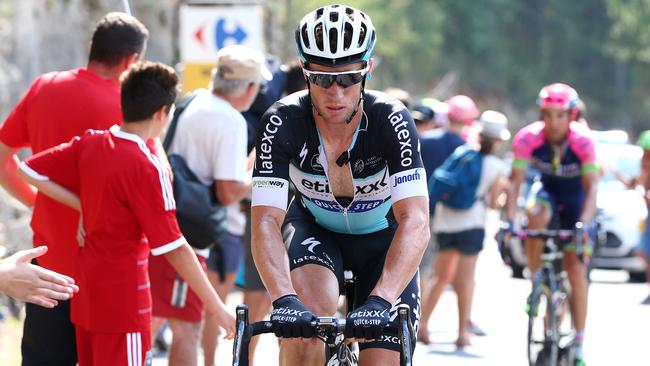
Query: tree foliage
504, 51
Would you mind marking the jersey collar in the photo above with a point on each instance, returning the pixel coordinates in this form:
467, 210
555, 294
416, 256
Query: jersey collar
126, 136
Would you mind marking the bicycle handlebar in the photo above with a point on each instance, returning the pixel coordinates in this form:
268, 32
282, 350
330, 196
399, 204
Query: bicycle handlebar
561, 234
324, 326
322, 323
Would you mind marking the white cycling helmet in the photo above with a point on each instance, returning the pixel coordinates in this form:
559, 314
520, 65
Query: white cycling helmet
345, 36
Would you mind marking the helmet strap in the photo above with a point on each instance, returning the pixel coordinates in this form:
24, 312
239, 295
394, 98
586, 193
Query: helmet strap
363, 87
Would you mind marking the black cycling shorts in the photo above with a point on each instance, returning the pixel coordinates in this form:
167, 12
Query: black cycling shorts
364, 255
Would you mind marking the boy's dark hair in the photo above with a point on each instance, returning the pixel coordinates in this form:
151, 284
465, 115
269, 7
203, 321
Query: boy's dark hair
146, 87
116, 36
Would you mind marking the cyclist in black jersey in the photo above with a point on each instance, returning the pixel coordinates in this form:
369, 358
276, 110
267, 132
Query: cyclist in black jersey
361, 197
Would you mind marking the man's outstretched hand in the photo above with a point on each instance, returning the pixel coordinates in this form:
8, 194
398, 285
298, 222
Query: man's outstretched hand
30, 283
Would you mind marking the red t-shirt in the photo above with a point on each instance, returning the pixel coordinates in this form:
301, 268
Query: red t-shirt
58, 106
128, 210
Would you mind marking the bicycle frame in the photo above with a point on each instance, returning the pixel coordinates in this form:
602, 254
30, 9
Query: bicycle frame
548, 282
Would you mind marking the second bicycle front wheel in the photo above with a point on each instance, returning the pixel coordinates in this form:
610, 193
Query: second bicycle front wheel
542, 329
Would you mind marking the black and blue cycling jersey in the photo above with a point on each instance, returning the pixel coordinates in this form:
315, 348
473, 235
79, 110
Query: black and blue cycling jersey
384, 161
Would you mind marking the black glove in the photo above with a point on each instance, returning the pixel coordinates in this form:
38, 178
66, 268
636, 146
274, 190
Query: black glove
291, 318
369, 320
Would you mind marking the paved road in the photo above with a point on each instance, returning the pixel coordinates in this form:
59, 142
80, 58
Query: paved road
618, 326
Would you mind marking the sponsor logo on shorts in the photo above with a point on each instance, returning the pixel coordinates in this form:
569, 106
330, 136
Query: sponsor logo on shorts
389, 338
312, 259
311, 242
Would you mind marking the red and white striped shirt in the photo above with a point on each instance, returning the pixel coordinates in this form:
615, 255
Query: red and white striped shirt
128, 210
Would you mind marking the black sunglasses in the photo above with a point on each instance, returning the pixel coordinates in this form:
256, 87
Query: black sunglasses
344, 79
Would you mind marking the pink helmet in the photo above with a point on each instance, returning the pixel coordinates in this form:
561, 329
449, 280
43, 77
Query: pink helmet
558, 95
462, 108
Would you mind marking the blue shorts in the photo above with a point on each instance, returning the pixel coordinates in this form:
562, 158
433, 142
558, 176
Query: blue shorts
565, 208
226, 255
467, 242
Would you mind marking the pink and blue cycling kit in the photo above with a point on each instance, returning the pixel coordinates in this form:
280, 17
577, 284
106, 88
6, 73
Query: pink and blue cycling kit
561, 168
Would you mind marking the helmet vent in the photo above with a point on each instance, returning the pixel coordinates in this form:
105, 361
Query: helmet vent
304, 36
347, 41
350, 13
333, 40
362, 34
318, 32
319, 13
334, 17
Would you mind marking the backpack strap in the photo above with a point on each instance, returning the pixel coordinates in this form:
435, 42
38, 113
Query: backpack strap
180, 107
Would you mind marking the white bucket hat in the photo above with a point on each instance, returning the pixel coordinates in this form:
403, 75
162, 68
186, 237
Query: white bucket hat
494, 124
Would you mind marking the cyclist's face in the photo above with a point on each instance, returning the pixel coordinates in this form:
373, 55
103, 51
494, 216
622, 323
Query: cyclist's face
336, 103
556, 124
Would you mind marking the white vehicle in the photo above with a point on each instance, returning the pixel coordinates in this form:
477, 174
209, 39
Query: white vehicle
623, 210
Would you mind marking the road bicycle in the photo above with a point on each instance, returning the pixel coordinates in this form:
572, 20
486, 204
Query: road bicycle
550, 327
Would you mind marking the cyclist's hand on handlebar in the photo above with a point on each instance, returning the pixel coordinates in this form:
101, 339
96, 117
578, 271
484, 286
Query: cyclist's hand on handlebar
369, 320
291, 319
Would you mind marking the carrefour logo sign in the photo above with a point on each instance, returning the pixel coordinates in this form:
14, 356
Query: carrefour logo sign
204, 29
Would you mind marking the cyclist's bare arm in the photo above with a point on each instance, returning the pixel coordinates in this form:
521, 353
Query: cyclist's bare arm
407, 247
52, 190
10, 181
269, 252
590, 184
517, 177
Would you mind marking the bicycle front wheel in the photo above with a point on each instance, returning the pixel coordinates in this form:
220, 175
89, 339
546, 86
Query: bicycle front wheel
542, 329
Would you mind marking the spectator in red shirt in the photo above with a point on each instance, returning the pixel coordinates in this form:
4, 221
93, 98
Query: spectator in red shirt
124, 192
58, 106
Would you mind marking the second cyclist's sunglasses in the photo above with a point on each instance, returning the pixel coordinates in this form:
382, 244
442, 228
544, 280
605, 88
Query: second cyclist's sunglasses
344, 78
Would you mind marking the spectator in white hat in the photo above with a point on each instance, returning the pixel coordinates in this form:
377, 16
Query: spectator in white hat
211, 136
